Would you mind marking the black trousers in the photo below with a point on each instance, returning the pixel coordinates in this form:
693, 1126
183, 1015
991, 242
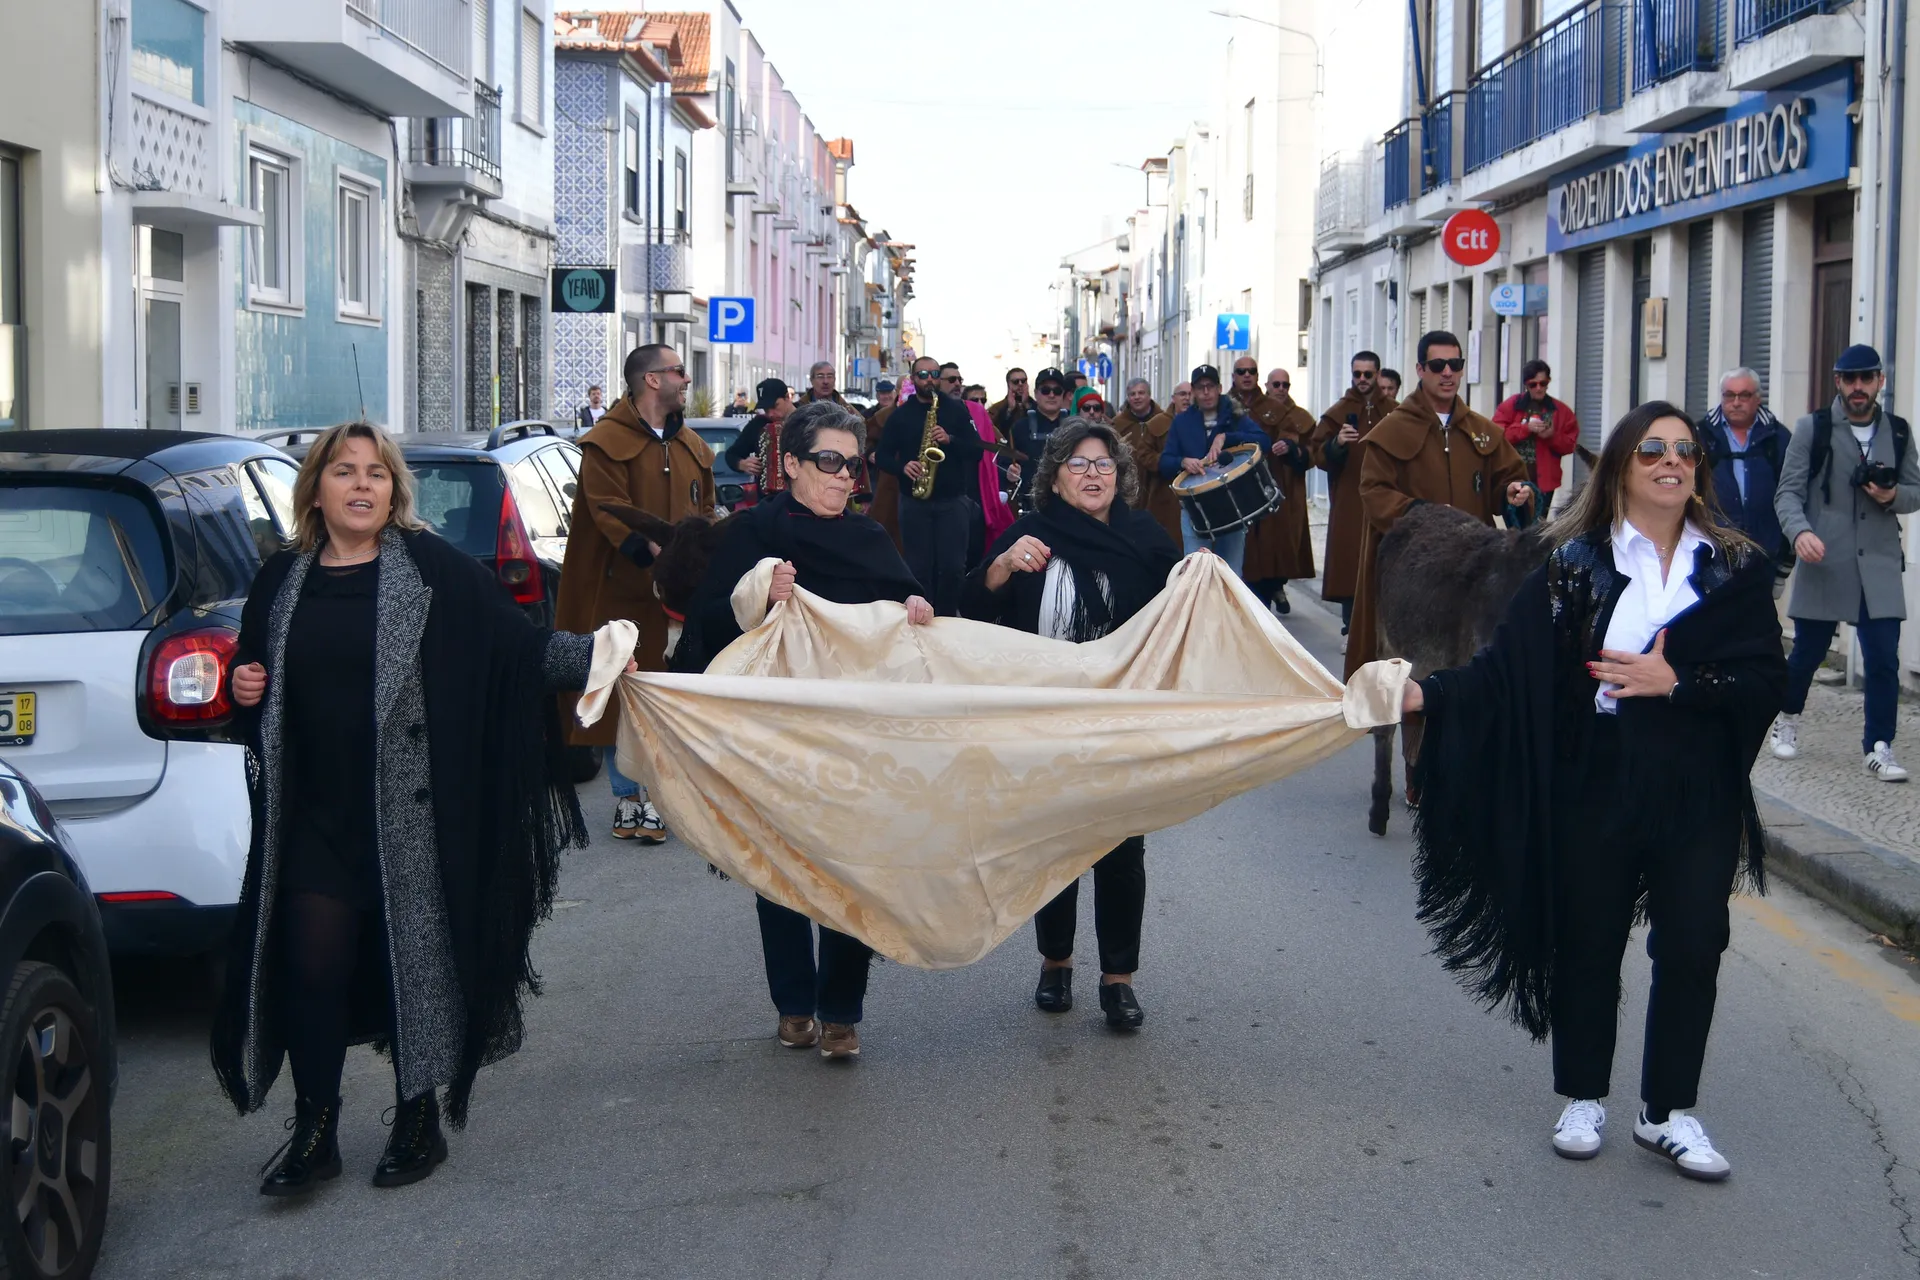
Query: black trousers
326, 944
934, 535
835, 989
1119, 905
1604, 848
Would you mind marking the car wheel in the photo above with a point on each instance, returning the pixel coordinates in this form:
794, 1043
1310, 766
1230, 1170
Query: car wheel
585, 762
57, 1129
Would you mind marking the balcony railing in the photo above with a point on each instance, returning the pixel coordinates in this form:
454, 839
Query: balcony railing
438, 30
454, 142
1755, 18
1673, 37
1436, 145
1396, 160
1569, 71
1346, 199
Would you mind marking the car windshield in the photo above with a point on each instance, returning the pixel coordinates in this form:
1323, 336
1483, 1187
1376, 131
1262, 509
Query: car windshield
460, 501
78, 558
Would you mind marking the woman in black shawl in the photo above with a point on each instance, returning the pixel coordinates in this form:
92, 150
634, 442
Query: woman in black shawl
1081, 564
1591, 764
410, 798
840, 555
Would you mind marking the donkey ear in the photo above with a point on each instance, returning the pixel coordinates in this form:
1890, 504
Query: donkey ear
652, 527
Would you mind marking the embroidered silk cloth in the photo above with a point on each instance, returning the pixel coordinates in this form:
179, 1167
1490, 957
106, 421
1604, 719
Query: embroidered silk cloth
928, 788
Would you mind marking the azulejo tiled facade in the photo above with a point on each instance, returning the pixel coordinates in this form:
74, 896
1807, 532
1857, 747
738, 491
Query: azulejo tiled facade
582, 199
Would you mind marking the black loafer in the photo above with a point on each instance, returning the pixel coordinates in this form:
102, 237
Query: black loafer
1280, 603
415, 1146
1121, 1006
1055, 992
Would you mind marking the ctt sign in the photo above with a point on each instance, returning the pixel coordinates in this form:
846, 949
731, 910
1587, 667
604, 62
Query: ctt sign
583, 290
1766, 145
1470, 237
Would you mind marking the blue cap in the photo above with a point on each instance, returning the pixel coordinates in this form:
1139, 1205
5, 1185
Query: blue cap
1858, 358
883, 385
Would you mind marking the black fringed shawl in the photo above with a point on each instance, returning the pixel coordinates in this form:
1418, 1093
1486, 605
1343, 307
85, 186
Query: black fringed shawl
1129, 551
1502, 729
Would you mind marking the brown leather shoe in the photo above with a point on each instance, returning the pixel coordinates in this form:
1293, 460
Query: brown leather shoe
799, 1033
840, 1040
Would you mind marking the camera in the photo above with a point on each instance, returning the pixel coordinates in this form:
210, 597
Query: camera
1880, 474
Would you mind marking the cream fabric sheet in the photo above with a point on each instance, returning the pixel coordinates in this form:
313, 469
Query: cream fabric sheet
927, 789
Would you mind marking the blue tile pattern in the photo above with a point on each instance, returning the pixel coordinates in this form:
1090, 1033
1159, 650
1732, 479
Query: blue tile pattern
583, 151
298, 371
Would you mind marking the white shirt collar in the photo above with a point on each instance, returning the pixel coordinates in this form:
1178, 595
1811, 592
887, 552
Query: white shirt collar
1626, 537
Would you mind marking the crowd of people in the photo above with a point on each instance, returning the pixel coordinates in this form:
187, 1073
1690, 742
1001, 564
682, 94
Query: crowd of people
1589, 764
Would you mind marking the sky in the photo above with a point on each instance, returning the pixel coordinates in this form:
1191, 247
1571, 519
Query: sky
995, 135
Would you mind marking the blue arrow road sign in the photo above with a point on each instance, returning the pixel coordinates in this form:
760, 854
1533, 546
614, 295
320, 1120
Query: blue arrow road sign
1104, 369
1231, 332
730, 320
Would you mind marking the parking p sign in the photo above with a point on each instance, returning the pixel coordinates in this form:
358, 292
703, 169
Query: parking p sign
730, 320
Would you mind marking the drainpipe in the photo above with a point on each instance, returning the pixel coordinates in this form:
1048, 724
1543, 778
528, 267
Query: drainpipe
1896, 143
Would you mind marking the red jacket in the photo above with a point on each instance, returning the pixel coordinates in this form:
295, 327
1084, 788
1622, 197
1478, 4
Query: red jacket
1548, 449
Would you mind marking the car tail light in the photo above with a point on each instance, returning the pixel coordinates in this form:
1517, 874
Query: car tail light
513, 551
142, 895
187, 677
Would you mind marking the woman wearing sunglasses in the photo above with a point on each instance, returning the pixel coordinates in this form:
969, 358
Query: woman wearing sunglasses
1593, 761
842, 556
1080, 565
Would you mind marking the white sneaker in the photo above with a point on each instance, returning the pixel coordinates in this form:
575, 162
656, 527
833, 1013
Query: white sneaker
1882, 765
1682, 1140
653, 828
1786, 737
1576, 1134
626, 818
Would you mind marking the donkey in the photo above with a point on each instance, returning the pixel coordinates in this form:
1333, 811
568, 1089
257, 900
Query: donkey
686, 549
1444, 583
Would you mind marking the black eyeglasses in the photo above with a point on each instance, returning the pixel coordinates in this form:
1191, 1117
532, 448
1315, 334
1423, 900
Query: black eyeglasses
1454, 365
1649, 451
830, 461
1079, 465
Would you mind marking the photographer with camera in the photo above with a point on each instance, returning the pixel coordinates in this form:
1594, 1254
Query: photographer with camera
1849, 472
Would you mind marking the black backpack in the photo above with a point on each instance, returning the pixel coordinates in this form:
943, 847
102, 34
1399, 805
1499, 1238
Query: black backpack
1820, 455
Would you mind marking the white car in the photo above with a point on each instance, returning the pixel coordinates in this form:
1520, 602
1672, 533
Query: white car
125, 557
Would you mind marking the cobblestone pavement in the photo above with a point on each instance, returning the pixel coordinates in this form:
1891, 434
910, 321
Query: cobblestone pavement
1828, 781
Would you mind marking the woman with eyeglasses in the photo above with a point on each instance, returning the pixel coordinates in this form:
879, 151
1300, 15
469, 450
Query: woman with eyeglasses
842, 556
1079, 566
1592, 762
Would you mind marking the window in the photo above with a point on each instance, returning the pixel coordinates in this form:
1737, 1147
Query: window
96, 559
679, 190
170, 47
530, 78
275, 247
1490, 30
773, 303
730, 116
630, 165
483, 41
276, 479
356, 246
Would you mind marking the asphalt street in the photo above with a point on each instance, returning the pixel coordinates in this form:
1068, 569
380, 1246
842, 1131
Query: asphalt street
1311, 1096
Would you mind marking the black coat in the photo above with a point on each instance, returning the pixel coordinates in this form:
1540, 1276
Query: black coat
474, 803
1506, 732
1131, 550
959, 475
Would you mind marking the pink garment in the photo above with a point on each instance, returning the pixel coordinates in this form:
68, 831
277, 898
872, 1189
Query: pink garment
999, 514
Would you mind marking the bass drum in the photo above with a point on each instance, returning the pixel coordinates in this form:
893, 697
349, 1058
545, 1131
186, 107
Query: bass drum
1229, 495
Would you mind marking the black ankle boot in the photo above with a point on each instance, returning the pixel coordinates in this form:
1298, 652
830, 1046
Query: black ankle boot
312, 1154
416, 1144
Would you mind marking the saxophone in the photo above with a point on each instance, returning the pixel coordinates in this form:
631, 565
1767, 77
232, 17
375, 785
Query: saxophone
773, 476
931, 454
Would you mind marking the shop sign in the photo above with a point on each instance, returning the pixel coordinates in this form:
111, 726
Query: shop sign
1470, 237
1518, 299
586, 290
1766, 145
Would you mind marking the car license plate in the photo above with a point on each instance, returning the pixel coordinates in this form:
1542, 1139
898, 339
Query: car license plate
16, 719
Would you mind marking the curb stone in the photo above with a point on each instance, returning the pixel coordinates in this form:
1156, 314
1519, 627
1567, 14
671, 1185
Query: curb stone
1876, 889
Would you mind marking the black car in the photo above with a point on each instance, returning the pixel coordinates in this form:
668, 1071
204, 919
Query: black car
56, 1046
125, 558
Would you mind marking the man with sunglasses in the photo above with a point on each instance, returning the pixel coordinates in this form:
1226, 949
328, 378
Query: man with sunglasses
1850, 472
1279, 545
1012, 406
935, 530
1541, 430
637, 455
1030, 432
1334, 440
1433, 448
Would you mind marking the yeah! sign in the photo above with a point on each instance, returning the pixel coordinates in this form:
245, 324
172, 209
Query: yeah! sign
1470, 237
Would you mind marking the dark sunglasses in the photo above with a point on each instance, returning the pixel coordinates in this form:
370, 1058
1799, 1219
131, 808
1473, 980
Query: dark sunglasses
679, 369
1363, 375
952, 377
1245, 373
922, 374
1454, 365
1649, 451
1858, 379
1079, 465
1537, 382
1280, 386
830, 461
1050, 389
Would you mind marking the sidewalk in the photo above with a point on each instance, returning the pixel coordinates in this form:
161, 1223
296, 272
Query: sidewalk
1831, 829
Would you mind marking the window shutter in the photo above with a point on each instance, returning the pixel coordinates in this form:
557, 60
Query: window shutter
531, 85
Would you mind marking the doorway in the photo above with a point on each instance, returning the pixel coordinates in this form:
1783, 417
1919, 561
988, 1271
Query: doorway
1832, 290
162, 273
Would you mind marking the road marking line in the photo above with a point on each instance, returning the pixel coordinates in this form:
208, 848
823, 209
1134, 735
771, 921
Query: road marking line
1897, 995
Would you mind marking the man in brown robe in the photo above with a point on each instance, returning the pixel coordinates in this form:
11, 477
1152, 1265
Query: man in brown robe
1279, 546
1012, 405
1143, 425
1433, 448
640, 455
1334, 444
